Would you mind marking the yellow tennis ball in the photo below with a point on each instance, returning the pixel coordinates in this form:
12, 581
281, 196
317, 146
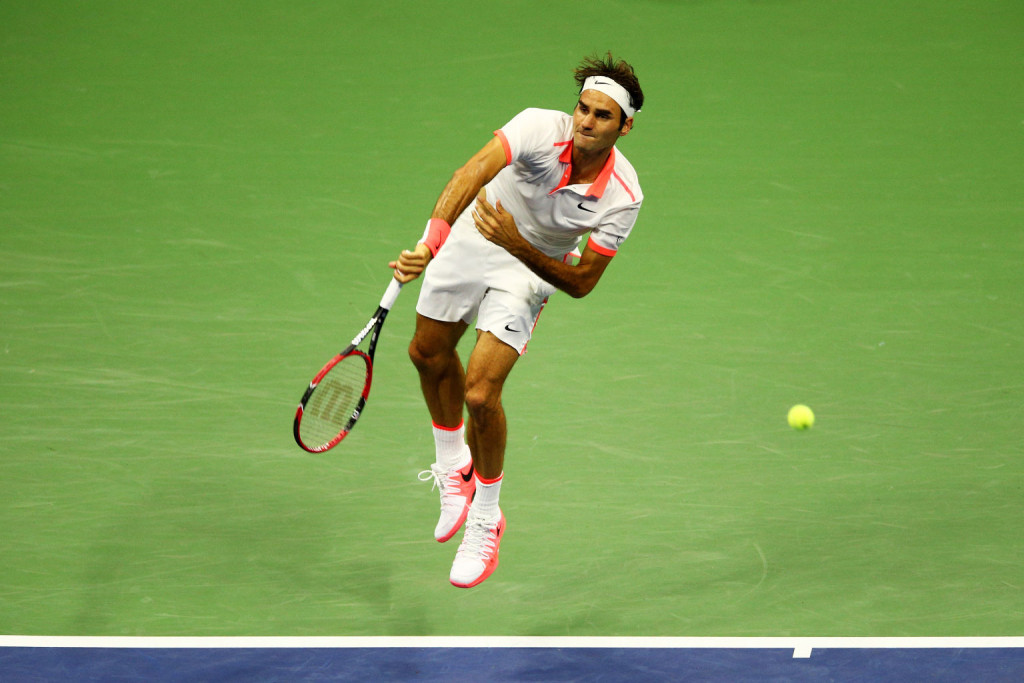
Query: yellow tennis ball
800, 417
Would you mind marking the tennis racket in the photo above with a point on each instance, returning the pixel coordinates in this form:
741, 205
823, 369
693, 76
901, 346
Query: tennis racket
337, 395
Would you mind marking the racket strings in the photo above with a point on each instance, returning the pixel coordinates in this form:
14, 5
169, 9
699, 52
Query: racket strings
333, 403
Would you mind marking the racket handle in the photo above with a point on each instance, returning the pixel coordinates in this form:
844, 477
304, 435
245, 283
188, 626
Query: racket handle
391, 294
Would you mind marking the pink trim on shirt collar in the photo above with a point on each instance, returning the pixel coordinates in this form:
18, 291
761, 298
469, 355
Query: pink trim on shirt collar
597, 187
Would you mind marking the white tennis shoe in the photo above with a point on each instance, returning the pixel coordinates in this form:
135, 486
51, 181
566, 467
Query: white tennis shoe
457, 488
477, 557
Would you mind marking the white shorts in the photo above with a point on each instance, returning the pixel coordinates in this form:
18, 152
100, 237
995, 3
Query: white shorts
471, 278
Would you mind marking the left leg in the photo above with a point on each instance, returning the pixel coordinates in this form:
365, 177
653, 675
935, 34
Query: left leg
489, 366
505, 321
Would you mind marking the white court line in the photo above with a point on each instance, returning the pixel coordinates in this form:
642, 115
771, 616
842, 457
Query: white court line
801, 646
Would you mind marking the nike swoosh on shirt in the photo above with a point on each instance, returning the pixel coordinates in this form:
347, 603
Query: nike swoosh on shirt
580, 206
510, 329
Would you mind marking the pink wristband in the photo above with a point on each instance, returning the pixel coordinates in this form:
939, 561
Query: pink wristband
435, 234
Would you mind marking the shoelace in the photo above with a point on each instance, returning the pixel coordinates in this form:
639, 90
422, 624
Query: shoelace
478, 540
435, 473
445, 481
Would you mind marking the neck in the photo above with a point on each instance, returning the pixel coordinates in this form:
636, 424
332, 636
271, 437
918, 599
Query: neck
586, 167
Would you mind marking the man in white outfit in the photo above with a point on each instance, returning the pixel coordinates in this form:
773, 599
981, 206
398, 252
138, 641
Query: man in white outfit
510, 221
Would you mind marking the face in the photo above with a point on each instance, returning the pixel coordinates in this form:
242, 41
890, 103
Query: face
596, 122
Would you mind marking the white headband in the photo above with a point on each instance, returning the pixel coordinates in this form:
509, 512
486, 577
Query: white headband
613, 90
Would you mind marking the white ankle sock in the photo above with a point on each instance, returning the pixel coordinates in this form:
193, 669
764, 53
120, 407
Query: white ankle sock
485, 504
450, 446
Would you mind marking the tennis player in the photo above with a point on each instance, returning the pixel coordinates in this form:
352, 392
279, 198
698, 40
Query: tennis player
501, 239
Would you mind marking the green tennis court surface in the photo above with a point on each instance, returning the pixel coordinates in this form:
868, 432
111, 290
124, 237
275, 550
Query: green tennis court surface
197, 205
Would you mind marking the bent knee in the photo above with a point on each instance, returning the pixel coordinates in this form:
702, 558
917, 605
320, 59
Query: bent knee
422, 355
433, 345
431, 355
482, 398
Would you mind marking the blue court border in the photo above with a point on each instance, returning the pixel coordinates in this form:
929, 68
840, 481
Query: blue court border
47, 658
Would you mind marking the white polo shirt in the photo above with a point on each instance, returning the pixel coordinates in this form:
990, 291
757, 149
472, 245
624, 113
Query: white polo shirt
472, 278
551, 214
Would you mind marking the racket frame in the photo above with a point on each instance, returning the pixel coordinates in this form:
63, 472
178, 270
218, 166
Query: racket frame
372, 328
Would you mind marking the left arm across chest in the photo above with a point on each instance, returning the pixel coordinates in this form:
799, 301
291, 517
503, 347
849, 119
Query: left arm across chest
499, 227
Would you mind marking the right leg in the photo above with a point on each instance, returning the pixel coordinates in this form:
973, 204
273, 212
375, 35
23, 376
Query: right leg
443, 381
442, 376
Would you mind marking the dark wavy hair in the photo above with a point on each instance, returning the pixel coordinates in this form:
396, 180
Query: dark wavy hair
617, 70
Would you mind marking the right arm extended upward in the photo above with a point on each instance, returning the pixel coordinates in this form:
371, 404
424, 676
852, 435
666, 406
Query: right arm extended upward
460, 191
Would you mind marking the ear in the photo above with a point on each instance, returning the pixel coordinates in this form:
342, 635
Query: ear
626, 127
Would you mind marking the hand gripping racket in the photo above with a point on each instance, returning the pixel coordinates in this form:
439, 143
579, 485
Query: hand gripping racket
335, 398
